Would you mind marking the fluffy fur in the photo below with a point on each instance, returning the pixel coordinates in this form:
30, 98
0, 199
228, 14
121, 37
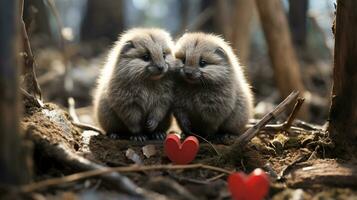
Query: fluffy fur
134, 92
212, 95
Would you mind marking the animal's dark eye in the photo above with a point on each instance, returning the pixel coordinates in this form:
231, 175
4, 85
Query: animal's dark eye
202, 63
146, 57
164, 55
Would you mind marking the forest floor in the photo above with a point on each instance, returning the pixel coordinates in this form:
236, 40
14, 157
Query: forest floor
296, 160
300, 160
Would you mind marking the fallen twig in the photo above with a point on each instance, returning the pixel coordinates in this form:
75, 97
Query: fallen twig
277, 127
216, 177
243, 140
253, 131
187, 179
72, 109
30, 80
76, 122
87, 127
293, 114
286, 169
63, 155
31, 99
208, 142
288, 123
308, 126
135, 168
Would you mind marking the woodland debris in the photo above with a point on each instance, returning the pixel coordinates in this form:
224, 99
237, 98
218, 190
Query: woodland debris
75, 118
149, 150
30, 80
170, 188
291, 194
253, 131
51, 131
109, 170
30, 100
287, 168
133, 156
323, 172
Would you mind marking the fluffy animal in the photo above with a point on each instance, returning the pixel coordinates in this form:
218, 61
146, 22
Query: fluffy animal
134, 91
212, 96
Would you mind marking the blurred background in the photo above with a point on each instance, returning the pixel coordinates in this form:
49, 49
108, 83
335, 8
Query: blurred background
70, 39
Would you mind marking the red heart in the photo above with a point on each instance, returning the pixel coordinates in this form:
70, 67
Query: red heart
181, 153
252, 187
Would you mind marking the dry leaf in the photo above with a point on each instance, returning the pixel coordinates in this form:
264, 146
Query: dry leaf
132, 155
149, 150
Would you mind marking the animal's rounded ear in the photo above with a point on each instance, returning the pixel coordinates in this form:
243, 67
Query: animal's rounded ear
126, 47
220, 52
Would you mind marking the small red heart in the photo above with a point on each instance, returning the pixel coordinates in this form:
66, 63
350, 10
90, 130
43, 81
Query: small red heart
181, 153
252, 187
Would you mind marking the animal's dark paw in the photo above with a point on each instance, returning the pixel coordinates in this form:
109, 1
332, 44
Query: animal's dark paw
114, 136
223, 138
151, 124
158, 135
139, 138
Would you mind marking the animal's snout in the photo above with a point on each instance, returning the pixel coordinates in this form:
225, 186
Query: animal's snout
188, 71
191, 73
160, 67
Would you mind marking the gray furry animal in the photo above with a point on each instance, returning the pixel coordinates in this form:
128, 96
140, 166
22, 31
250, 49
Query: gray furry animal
212, 96
134, 92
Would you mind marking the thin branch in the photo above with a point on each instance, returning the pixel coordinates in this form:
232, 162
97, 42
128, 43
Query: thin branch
76, 122
280, 127
31, 99
30, 79
72, 110
216, 177
253, 131
287, 125
88, 127
208, 142
61, 153
135, 168
244, 139
67, 81
294, 113
187, 179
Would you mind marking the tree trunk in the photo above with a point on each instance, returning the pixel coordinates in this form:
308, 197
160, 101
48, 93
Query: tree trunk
281, 51
13, 168
242, 17
343, 111
297, 20
103, 19
184, 6
223, 18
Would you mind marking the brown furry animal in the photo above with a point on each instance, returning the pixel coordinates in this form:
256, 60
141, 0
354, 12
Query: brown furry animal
212, 96
134, 92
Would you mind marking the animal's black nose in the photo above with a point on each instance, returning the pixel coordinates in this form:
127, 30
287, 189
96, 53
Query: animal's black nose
188, 71
160, 67
189, 74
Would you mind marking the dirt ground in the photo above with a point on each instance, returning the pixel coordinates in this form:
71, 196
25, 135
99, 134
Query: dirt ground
286, 156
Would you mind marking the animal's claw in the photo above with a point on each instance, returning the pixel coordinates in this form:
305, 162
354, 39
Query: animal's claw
139, 138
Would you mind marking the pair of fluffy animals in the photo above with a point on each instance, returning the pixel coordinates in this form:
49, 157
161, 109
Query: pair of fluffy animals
147, 78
